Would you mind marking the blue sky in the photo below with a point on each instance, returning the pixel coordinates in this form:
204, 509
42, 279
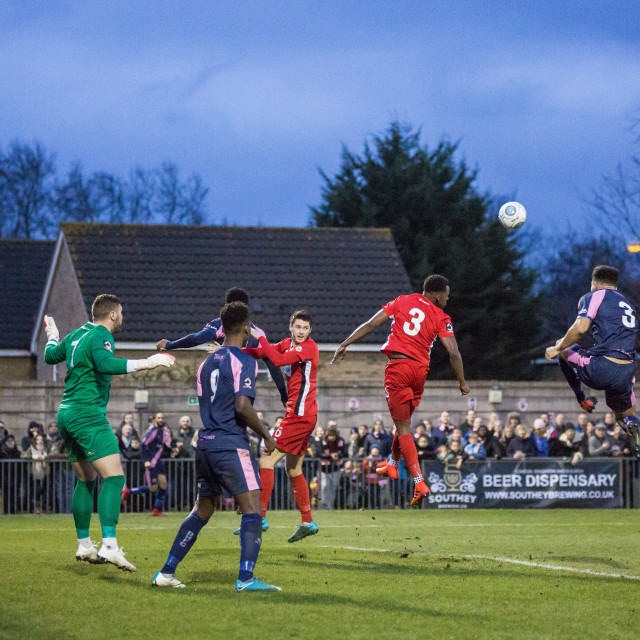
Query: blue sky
256, 96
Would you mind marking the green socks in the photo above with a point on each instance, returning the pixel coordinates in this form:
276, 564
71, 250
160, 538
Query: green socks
82, 506
109, 504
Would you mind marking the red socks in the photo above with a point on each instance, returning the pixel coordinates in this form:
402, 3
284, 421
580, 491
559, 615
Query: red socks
396, 454
267, 477
410, 455
301, 492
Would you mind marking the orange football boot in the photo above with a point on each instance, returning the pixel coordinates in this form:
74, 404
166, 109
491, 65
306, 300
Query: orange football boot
420, 492
387, 470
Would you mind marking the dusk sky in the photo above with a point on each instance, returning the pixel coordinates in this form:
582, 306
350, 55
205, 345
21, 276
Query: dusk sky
256, 96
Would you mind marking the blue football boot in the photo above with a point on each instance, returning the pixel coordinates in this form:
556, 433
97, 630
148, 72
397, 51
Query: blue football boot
265, 527
305, 529
255, 585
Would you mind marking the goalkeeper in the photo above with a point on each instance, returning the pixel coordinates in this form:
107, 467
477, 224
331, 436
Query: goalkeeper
88, 438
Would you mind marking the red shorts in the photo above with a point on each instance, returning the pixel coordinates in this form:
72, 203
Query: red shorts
292, 436
403, 386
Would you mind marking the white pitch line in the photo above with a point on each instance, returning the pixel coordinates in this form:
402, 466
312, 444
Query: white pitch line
537, 565
354, 525
555, 567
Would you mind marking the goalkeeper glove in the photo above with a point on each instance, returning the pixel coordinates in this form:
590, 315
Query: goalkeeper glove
51, 329
156, 360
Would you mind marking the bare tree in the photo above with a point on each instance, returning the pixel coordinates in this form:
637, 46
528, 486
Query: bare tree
26, 178
616, 202
193, 210
177, 202
139, 192
76, 199
168, 193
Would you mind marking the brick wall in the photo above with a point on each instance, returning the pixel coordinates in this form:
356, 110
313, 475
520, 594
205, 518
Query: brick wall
21, 402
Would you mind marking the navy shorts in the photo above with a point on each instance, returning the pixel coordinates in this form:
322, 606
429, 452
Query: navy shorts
616, 380
151, 473
232, 472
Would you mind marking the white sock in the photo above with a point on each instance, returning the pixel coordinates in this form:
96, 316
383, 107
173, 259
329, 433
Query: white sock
85, 542
110, 543
392, 463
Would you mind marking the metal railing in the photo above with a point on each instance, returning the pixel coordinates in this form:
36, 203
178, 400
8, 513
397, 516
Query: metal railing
48, 488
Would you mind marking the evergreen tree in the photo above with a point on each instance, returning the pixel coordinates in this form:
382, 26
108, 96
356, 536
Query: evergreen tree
440, 224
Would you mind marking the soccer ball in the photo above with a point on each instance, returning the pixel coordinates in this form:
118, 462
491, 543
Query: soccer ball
512, 215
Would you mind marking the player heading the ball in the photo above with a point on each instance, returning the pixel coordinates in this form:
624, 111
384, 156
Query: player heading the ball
416, 321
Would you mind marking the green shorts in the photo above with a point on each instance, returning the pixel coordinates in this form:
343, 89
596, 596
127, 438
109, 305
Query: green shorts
86, 434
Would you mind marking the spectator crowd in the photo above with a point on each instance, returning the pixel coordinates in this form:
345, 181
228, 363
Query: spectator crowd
343, 459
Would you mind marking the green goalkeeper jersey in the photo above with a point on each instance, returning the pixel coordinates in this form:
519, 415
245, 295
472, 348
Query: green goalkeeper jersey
89, 353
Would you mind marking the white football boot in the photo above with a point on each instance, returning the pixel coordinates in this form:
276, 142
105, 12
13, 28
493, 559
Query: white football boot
116, 557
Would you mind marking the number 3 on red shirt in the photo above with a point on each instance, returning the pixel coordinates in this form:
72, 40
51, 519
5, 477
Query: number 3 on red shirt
413, 329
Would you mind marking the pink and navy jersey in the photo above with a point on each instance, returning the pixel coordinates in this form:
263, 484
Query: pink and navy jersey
225, 374
213, 331
153, 444
614, 323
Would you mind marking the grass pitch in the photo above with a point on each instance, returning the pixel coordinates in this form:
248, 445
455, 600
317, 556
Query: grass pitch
367, 574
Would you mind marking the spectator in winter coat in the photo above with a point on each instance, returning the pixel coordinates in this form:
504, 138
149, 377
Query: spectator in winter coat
456, 436
34, 429
377, 438
521, 446
599, 444
507, 436
425, 449
619, 443
331, 456
458, 454
491, 445
569, 445
124, 441
540, 438
182, 446
474, 450
467, 425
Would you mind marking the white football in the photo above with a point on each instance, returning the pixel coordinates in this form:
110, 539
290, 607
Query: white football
512, 215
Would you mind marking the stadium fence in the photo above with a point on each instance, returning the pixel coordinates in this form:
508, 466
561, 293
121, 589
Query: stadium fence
354, 485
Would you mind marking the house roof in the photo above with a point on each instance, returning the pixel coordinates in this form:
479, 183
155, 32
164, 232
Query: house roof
172, 279
23, 273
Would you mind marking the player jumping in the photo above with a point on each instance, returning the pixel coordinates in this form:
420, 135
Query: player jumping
92, 446
213, 332
610, 364
299, 355
226, 390
416, 321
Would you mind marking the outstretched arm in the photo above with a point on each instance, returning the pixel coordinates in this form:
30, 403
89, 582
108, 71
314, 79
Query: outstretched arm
365, 328
208, 334
54, 350
575, 332
455, 359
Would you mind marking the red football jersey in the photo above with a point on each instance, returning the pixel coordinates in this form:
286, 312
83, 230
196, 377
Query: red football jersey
300, 364
416, 322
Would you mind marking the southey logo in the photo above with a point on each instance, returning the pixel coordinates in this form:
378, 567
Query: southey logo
452, 489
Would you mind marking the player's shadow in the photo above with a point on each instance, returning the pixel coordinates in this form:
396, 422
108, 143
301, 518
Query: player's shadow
453, 568
287, 596
215, 576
